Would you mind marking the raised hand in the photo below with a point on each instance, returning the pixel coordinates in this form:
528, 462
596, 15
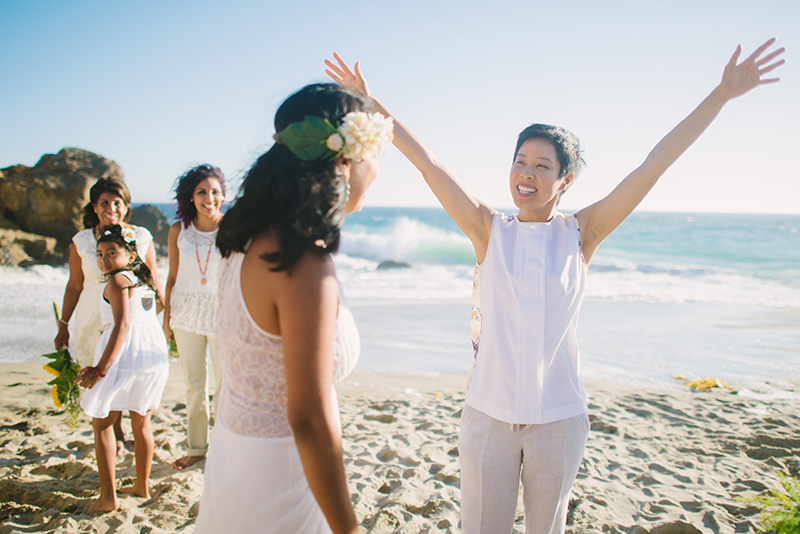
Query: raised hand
737, 79
349, 79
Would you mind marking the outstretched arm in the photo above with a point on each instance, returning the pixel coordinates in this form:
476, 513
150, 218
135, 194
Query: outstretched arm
470, 214
603, 217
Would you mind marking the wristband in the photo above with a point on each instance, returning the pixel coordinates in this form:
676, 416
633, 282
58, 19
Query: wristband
65, 323
96, 370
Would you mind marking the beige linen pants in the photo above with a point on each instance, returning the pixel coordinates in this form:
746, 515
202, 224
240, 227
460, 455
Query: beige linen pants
192, 351
492, 453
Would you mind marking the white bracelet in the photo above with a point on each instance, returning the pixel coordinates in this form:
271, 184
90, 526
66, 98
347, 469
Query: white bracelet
65, 323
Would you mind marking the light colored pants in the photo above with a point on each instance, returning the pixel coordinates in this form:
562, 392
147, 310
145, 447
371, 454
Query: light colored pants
192, 352
492, 453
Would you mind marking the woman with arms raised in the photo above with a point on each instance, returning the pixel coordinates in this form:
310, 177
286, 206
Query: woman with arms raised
525, 405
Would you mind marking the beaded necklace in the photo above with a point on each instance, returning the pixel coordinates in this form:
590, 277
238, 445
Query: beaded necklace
203, 270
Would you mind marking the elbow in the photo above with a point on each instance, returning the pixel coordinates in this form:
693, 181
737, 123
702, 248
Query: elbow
309, 424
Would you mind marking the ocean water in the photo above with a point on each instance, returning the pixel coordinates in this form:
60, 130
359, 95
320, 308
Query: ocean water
668, 293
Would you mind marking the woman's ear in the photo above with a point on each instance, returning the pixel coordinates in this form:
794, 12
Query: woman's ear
342, 168
567, 183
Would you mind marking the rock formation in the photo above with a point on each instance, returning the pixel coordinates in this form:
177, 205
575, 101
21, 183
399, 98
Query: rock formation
151, 218
48, 198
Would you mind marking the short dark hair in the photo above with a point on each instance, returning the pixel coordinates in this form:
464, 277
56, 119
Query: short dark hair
302, 201
185, 186
568, 149
105, 185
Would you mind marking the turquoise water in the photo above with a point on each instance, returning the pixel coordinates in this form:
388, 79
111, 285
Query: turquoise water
697, 294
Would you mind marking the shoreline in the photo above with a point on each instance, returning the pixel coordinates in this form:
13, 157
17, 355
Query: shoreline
654, 458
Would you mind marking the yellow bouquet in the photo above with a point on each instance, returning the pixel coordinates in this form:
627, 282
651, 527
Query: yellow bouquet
64, 391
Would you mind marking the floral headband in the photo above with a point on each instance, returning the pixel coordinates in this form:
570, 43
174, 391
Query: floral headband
127, 234
358, 136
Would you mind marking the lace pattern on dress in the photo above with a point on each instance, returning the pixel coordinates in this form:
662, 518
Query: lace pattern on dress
254, 398
192, 303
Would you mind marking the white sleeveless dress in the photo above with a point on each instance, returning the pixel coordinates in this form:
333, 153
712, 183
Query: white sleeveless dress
86, 323
254, 479
136, 378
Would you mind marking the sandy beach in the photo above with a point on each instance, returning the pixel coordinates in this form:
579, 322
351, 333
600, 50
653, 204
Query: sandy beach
657, 462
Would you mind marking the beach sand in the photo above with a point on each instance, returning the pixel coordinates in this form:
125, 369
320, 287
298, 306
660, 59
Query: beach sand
657, 462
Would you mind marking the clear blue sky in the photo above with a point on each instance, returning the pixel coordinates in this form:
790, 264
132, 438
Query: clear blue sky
161, 86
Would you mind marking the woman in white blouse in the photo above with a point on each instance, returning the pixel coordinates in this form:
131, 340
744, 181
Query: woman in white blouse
525, 413
191, 295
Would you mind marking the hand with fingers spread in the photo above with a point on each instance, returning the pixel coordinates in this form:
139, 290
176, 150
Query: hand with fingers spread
738, 79
349, 79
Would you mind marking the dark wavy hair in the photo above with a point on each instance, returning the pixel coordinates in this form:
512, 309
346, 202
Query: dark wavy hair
303, 202
185, 186
113, 234
105, 185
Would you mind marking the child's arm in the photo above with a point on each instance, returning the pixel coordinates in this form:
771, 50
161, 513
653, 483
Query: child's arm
470, 214
117, 292
603, 217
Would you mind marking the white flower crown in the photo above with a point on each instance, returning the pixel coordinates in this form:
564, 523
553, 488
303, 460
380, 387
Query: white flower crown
126, 233
358, 136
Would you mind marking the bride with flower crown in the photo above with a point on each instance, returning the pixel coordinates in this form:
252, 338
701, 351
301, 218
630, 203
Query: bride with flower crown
283, 332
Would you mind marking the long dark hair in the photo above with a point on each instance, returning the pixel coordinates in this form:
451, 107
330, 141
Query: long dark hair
113, 234
105, 185
185, 186
302, 201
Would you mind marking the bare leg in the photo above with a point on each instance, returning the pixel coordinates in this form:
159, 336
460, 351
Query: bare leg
143, 451
119, 435
105, 449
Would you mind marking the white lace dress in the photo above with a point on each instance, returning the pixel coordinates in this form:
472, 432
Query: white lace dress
136, 378
254, 480
86, 324
193, 303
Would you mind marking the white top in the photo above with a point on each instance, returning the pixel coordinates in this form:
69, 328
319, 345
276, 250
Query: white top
86, 318
254, 399
192, 303
526, 298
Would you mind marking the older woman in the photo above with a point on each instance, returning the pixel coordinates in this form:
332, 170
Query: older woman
109, 204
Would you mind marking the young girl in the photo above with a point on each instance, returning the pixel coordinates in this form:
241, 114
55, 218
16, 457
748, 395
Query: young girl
130, 364
525, 406
190, 304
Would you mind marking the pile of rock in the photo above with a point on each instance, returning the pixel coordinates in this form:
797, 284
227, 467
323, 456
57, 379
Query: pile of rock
41, 207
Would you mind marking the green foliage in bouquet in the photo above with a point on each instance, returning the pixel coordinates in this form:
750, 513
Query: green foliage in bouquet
64, 391
780, 508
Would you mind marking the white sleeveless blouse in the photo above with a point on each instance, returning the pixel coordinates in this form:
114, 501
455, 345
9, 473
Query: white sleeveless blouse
254, 397
192, 303
527, 296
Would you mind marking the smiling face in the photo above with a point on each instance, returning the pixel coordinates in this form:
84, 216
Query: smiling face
362, 174
110, 209
207, 198
112, 257
535, 180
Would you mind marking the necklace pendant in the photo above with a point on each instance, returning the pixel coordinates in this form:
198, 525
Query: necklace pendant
203, 281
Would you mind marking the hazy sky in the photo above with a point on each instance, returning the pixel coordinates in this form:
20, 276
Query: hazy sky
161, 86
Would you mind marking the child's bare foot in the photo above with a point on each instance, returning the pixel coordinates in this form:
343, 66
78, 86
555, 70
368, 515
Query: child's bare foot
104, 505
137, 490
187, 461
120, 447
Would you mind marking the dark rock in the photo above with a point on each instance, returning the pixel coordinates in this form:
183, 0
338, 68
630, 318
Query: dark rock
392, 264
48, 198
154, 220
20, 248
